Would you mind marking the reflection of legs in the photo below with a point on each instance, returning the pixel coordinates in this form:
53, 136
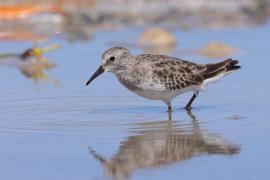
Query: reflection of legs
195, 122
169, 110
95, 155
212, 143
189, 113
188, 106
169, 115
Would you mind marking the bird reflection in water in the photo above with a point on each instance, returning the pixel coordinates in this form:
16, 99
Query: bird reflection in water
162, 143
31, 63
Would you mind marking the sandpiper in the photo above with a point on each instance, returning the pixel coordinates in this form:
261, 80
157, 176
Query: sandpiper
161, 77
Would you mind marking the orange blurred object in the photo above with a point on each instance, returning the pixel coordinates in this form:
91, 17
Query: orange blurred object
20, 35
8, 13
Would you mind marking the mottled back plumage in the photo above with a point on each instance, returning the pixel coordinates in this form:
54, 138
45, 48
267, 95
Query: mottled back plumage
173, 73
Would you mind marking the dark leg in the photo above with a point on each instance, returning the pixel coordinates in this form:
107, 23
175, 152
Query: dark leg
169, 104
169, 108
188, 106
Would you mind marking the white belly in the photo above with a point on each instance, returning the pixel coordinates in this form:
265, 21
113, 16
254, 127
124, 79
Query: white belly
156, 92
165, 96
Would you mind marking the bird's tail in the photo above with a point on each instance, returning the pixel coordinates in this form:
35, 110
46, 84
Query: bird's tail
221, 68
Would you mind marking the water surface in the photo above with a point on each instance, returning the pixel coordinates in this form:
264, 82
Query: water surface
69, 131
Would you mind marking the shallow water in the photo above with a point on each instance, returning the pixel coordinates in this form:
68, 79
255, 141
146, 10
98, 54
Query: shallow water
70, 131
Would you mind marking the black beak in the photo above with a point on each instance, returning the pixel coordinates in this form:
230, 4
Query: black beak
98, 72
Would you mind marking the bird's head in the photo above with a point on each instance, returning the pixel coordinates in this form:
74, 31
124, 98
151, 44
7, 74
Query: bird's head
113, 60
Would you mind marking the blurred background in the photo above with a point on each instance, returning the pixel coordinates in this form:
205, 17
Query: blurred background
53, 127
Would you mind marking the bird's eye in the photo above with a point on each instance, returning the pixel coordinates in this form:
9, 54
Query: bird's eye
112, 58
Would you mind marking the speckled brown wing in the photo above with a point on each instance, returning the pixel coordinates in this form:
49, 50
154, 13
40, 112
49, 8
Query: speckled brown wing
173, 73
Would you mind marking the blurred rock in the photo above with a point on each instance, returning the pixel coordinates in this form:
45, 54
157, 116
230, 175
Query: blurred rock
217, 50
156, 40
157, 49
157, 37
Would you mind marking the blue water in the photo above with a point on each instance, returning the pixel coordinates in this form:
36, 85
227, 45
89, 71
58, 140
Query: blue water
46, 130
